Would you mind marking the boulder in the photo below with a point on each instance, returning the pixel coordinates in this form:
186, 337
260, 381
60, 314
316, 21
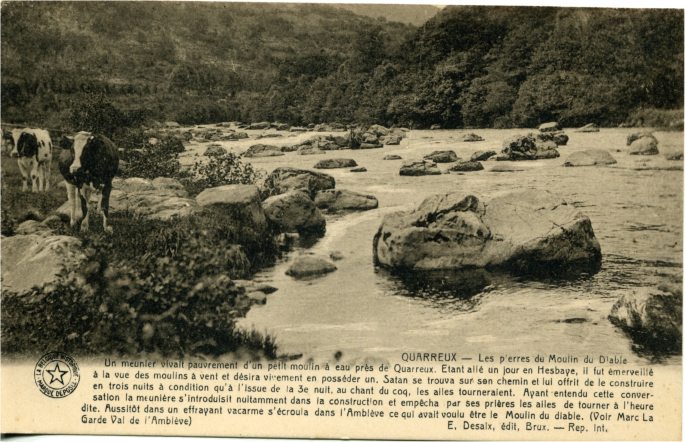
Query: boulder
335, 163
392, 157
155, 204
235, 136
435, 127
525, 231
215, 150
419, 168
637, 136
236, 201
442, 156
483, 155
304, 266
298, 129
654, 316
263, 150
269, 136
560, 139
36, 260
594, 157
546, 150
370, 138
644, 146
133, 184
312, 149
507, 168
392, 140
379, 130
520, 147
466, 166
471, 137
336, 199
675, 157
285, 179
358, 169
33, 227
370, 146
549, 127
282, 126
259, 126
294, 211
592, 127
336, 255
169, 184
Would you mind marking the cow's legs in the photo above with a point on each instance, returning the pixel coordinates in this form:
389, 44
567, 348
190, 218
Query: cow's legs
35, 176
24, 175
84, 196
46, 169
72, 192
104, 207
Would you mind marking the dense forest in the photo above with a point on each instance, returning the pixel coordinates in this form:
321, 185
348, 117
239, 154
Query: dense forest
468, 66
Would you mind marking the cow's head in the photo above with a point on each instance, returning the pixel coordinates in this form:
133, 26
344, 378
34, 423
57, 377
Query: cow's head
81, 139
26, 146
14, 140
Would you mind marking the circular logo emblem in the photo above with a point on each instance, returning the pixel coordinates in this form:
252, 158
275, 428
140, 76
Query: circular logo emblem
56, 374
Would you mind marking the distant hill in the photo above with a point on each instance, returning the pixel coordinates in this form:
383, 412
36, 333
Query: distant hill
411, 14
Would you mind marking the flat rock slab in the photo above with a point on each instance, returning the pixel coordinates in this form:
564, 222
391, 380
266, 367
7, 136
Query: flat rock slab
392, 157
528, 231
336, 199
308, 266
335, 163
263, 150
466, 166
35, 260
593, 157
442, 156
419, 168
550, 127
592, 127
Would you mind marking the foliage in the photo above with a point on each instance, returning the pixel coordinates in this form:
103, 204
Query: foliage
97, 114
656, 118
220, 170
152, 160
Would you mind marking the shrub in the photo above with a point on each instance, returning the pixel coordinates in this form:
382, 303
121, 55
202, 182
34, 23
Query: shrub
221, 170
97, 114
153, 160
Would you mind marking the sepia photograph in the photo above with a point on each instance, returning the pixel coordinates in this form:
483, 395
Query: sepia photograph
289, 210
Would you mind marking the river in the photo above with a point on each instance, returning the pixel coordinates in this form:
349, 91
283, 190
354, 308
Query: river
361, 312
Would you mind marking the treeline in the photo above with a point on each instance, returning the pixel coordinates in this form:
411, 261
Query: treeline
469, 66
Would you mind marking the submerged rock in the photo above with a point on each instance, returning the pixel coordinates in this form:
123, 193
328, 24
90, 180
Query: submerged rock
310, 266
526, 231
419, 168
653, 316
507, 168
392, 157
295, 212
344, 200
592, 157
442, 156
285, 179
335, 163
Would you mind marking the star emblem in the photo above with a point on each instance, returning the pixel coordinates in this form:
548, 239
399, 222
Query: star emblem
57, 374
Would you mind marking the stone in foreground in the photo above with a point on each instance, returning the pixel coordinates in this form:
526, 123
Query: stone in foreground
344, 200
285, 179
589, 158
335, 163
419, 168
310, 266
295, 212
237, 201
528, 231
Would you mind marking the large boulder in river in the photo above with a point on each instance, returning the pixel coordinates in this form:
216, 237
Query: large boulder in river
36, 260
442, 156
559, 138
644, 146
392, 140
636, 136
653, 316
594, 157
236, 201
335, 163
295, 212
550, 127
527, 231
546, 150
379, 130
525, 147
419, 168
336, 199
305, 266
161, 198
263, 150
285, 179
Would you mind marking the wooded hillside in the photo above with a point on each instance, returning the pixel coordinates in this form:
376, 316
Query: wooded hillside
305, 63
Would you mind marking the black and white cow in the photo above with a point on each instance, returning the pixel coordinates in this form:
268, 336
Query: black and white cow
33, 149
89, 161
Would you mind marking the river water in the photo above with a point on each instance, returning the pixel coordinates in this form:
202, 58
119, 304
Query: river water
365, 313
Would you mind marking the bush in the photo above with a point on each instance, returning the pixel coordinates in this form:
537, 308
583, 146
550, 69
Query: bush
97, 114
657, 118
153, 160
155, 286
221, 170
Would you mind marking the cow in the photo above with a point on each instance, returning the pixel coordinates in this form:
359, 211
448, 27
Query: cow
88, 162
33, 150
7, 141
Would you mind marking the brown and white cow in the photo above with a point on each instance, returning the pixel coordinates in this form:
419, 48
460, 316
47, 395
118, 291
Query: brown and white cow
33, 150
89, 161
